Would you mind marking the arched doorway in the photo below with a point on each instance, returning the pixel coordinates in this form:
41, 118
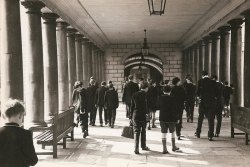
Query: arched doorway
152, 67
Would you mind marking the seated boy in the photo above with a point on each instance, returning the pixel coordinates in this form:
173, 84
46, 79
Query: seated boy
17, 149
168, 118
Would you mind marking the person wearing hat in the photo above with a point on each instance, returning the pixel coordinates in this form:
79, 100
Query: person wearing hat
138, 114
111, 102
179, 96
129, 89
99, 102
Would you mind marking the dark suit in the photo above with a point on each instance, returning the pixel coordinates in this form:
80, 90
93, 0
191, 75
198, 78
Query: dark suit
17, 149
167, 114
111, 102
178, 95
138, 113
189, 105
129, 89
91, 90
207, 92
99, 101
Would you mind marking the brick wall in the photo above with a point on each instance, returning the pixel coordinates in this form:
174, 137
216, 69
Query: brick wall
170, 54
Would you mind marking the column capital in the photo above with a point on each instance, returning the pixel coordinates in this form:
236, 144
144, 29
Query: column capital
60, 23
78, 37
49, 18
207, 39
246, 13
85, 40
224, 30
236, 23
71, 31
201, 43
33, 6
215, 35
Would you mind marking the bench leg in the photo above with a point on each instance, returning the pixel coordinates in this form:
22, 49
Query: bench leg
232, 132
246, 136
72, 135
64, 142
55, 150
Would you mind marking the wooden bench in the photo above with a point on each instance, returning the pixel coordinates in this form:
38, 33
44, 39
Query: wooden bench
240, 119
61, 125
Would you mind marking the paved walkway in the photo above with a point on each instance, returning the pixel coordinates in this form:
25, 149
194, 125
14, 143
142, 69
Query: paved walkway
105, 147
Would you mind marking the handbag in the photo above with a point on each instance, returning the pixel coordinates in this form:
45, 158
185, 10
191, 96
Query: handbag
128, 132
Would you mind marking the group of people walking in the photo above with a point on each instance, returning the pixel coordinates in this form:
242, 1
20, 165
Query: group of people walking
87, 101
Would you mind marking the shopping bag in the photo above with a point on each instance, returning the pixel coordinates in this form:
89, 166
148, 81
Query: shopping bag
128, 132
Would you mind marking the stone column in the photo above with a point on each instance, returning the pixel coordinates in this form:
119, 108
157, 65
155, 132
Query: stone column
215, 56
208, 47
102, 65
90, 50
96, 64
192, 64
184, 64
50, 65
71, 60
236, 73
79, 66
62, 58
85, 61
189, 60
33, 65
224, 53
93, 62
11, 51
201, 50
196, 63
247, 59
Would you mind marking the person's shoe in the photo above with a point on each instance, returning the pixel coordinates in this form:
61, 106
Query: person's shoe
191, 121
175, 148
112, 126
85, 135
93, 124
197, 135
106, 123
165, 152
137, 151
154, 126
216, 135
210, 139
188, 119
101, 125
149, 128
179, 138
145, 148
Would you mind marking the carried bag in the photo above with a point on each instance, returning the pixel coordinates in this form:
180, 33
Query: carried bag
128, 132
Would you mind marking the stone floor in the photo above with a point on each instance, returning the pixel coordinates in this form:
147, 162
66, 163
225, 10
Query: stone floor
106, 147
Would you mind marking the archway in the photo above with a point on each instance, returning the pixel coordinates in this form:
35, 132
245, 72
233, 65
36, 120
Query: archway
152, 67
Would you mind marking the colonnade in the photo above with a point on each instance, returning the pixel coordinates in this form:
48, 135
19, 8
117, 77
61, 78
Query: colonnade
221, 53
40, 65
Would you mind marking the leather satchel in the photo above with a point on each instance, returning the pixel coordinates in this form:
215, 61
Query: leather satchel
128, 132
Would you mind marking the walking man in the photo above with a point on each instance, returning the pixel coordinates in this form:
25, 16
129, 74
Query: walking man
138, 114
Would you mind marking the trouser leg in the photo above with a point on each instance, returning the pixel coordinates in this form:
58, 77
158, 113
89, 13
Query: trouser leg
200, 120
106, 116
192, 111
113, 116
94, 115
137, 132
143, 135
100, 114
179, 125
127, 110
219, 120
110, 116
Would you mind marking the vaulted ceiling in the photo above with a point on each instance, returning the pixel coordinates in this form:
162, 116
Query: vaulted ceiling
108, 22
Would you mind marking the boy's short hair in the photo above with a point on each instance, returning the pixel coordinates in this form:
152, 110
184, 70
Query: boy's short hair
175, 80
13, 107
166, 89
111, 85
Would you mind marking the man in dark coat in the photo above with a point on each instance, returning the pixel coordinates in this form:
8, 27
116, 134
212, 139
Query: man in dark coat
111, 102
91, 91
168, 118
99, 101
129, 89
191, 93
17, 149
138, 113
207, 93
179, 96
219, 104
227, 94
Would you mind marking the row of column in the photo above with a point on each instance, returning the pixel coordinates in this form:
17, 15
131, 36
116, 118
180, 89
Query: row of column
42, 66
221, 53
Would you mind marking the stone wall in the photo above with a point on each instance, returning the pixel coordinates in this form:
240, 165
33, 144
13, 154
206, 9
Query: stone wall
170, 54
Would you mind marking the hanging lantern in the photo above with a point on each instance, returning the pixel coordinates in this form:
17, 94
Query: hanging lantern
156, 7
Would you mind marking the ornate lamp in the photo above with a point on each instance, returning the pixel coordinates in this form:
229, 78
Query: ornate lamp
156, 7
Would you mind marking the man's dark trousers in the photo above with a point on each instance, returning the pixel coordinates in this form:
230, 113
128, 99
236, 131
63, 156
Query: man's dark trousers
140, 129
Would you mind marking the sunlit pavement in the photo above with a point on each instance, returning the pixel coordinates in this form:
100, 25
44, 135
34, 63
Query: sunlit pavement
106, 147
